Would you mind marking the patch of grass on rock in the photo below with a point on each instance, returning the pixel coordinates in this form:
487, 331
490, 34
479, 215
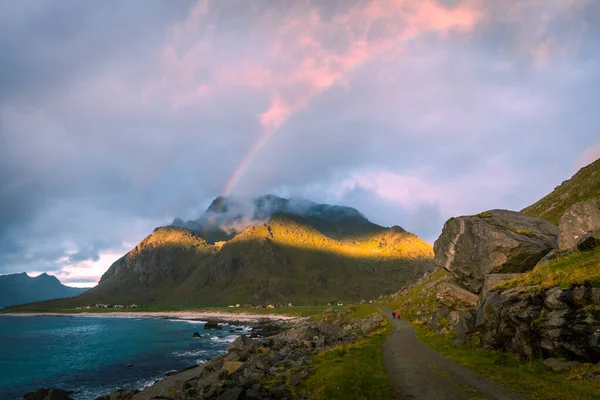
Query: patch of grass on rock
570, 270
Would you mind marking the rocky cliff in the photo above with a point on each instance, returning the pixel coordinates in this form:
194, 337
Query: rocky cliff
516, 282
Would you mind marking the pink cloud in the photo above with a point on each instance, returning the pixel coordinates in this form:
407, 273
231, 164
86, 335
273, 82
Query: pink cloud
411, 189
307, 53
277, 113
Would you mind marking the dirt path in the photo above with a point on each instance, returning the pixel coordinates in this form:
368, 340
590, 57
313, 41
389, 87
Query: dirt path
418, 372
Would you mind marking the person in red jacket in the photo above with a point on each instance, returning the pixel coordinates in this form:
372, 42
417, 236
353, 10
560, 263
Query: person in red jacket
398, 315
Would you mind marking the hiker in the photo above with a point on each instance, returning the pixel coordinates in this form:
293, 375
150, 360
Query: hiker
394, 314
398, 314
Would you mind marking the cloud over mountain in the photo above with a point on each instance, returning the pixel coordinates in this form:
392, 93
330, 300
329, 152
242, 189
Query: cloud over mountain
115, 118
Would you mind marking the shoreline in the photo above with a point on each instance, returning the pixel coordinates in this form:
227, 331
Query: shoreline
180, 315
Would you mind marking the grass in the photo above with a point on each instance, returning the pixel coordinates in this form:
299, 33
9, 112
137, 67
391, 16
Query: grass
351, 372
524, 232
289, 311
570, 270
531, 379
420, 300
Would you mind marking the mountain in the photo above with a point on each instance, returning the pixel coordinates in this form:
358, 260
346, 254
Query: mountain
584, 185
21, 288
272, 250
226, 217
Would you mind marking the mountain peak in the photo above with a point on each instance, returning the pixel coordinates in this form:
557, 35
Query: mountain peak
218, 205
229, 216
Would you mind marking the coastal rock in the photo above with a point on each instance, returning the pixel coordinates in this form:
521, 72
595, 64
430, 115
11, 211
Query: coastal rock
284, 359
212, 325
243, 343
232, 366
493, 242
331, 331
372, 323
589, 241
195, 335
120, 395
577, 221
47, 394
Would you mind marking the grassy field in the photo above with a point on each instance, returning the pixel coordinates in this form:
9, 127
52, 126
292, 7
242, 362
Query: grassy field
289, 311
531, 379
351, 372
573, 269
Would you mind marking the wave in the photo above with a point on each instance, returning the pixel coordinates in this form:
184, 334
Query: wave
189, 321
224, 339
191, 353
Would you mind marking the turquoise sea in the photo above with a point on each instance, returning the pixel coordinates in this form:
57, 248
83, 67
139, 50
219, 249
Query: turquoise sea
96, 355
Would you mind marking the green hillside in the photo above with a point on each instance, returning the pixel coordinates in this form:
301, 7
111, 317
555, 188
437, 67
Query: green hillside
284, 260
584, 185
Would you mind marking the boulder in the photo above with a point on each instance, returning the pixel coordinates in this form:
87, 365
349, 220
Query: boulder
577, 221
372, 323
195, 335
493, 242
492, 280
300, 334
558, 365
453, 296
243, 343
47, 394
589, 241
212, 325
232, 366
331, 331
119, 395
231, 394
466, 325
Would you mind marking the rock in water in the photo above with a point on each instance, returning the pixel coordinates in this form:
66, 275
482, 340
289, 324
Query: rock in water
212, 325
196, 334
577, 221
493, 242
47, 394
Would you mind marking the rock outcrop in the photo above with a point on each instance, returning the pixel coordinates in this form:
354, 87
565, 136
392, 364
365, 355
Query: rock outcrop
453, 296
577, 221
47, 394
285, 359
555, 323
212, 325
493, 242
589, 241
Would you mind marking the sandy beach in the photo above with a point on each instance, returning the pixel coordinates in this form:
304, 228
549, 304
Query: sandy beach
189, 315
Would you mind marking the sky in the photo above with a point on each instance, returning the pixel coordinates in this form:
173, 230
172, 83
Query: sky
116, 117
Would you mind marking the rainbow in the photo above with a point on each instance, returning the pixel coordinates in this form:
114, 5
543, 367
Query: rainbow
268, 133
237, 174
